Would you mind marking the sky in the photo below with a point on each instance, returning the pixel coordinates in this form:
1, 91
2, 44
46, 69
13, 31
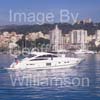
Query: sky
84, 8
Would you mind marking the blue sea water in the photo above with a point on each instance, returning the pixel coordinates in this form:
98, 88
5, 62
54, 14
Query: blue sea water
59, 89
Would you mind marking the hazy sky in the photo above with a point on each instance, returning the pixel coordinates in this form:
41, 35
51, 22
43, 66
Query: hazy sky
85, 8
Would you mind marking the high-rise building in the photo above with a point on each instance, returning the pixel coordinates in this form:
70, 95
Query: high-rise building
98, 35
56, 39
78, 36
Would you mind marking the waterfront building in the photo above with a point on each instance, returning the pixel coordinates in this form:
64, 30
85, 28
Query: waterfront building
98, 35
78, 36
5, 34
47, 36
66, 38
91, 38
56, 39
35, 35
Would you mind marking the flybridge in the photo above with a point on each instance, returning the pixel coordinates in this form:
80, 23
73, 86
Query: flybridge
62, 16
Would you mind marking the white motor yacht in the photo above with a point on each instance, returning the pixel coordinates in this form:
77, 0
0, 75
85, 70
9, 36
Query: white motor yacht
43, 60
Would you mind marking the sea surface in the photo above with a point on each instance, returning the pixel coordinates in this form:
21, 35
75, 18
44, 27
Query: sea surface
80, 82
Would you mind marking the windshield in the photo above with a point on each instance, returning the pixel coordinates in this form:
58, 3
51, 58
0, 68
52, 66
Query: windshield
21, 57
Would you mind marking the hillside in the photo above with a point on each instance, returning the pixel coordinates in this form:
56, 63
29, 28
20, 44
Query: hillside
45, 28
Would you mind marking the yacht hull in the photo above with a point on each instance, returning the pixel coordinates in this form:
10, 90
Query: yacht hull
45, 65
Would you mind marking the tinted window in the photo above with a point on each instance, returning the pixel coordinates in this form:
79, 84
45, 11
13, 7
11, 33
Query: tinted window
47, 56
38, 59
29, 56
48, 64
44, 57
